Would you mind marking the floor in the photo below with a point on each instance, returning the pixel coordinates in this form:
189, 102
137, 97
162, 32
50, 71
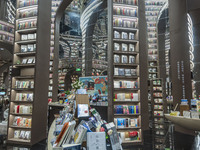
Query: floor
181, 142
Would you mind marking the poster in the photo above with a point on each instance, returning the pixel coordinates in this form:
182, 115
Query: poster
95, 84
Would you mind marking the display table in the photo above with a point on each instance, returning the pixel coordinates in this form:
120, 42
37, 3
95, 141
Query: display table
188, 123
50, 135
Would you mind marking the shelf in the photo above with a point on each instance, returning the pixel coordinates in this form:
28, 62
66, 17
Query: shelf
125, 29
20, 114
126, 114
24, 77
153, 72
17, 141
126, 101
24, 65
128, 128
22, 102
27, 18
129, 142
26, 42
29, 30
28, 7
126, 17
17, 127
126, 77
126, 41
157, 97
124, 5
126, 53
125, 65
159, 116
26, 54
27, 89
126, 89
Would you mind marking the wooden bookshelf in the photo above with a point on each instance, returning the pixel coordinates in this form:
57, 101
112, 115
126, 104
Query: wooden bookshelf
152, 10
135, 43
158, 100
32, 31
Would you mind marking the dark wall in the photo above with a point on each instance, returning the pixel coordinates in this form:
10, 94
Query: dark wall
193, 4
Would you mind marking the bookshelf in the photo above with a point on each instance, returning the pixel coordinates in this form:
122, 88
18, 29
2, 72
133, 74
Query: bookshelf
128, 88
28, 102
152, 9
52, 86
158, 110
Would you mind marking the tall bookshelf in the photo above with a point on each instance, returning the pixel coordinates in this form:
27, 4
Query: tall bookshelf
29, 85
158, 109
152, 9
126, 95
52, 95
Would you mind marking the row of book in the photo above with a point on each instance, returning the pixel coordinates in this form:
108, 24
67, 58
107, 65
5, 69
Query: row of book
157, 126
125, 11
152, 64
126, 109
6, 38
154, 3
124, 35
24, 84
152, 41
124, 59
22, 122
149, 19
158, 113
122, 22
124, 47
24, 3
152, 9
152, 70
28, 48
158, 107
152, 52
24, 97
25, 37
152, 13
130, 136
55, 4
27, 13
126, 97
125, 72
126, 122
21, 134
126, 84
158, 100
153, 57
27, 25
153, 76
22, 109
28, 60
157, 94
157, 82
157, 88
6, 28
129, 2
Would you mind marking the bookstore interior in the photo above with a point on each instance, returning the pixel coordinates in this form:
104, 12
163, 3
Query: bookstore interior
99, 75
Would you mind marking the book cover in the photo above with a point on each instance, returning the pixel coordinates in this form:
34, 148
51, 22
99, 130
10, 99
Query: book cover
121, 122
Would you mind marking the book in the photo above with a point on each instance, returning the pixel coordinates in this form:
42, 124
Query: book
83, 110
121, 123
96, 141
80, 134
71, 147
24, 48
124, 47
116, 47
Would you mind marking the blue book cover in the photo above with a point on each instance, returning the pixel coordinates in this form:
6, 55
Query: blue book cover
120, 122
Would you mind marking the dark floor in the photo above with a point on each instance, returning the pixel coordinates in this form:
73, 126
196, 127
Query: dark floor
181, 142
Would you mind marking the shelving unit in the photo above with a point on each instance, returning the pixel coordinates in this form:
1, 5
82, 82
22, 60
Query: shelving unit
126, 84
158, 110
51, 96
152, 10
29, 83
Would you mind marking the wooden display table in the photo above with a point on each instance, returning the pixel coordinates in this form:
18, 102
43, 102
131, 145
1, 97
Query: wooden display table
188, 123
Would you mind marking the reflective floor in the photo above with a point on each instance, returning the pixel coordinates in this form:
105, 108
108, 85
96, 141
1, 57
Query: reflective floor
181, 142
